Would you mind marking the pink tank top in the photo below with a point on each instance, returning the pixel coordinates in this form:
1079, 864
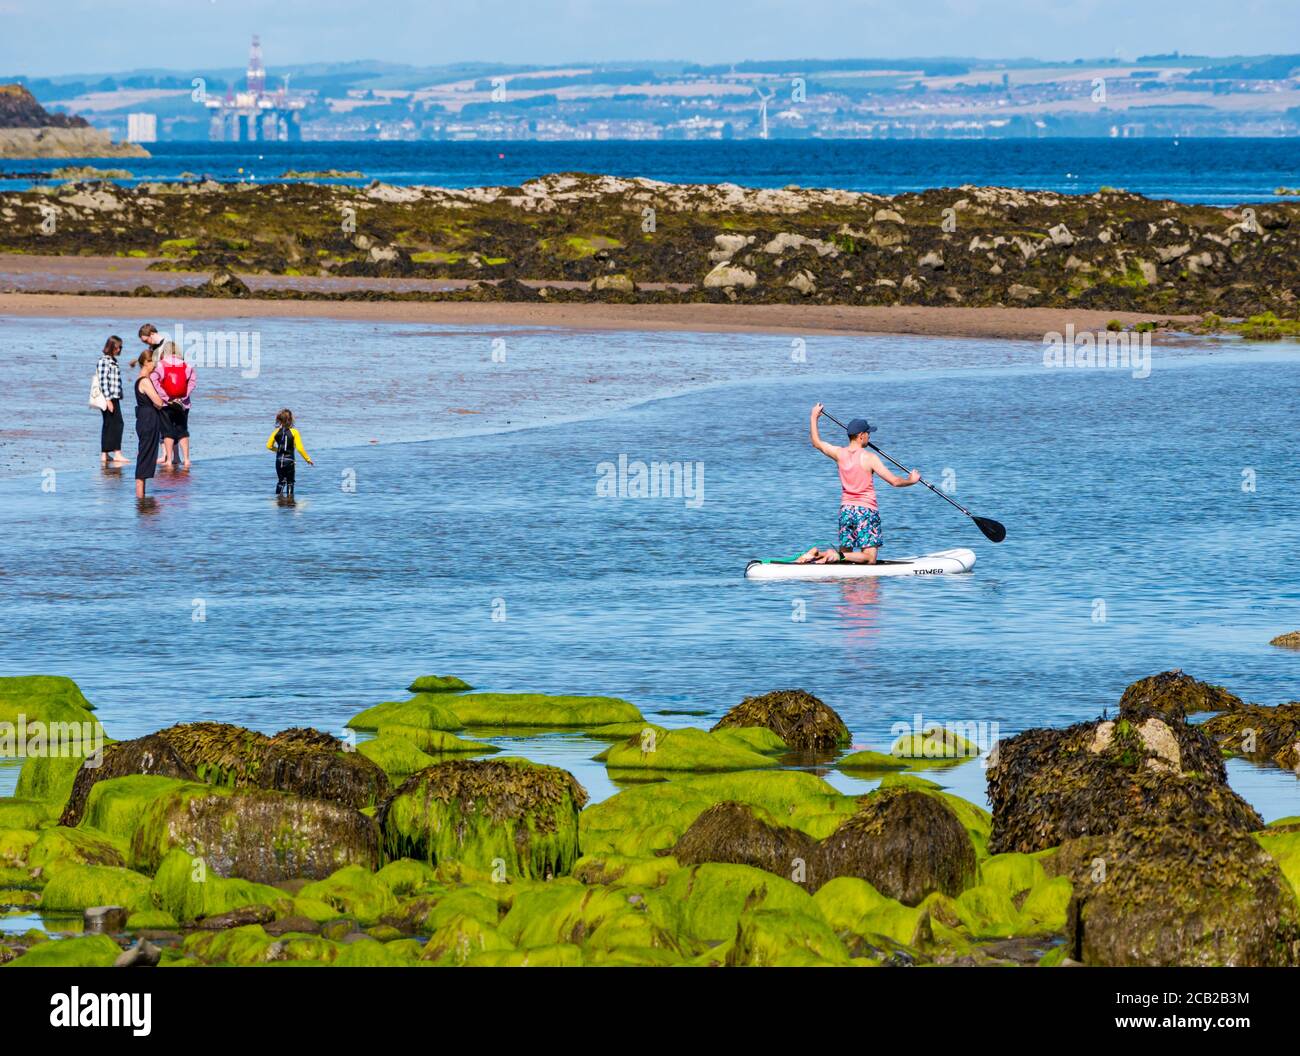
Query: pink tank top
858, 487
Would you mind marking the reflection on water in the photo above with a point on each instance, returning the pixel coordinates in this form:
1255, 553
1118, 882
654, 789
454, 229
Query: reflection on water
1132, 548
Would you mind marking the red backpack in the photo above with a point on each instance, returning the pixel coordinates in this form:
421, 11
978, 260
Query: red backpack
174, 381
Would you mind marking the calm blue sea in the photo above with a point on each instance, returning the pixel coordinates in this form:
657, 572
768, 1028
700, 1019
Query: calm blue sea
1212, 171
1152, 524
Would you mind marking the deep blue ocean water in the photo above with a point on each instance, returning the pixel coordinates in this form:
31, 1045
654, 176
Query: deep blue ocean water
1134, 546
1211, 171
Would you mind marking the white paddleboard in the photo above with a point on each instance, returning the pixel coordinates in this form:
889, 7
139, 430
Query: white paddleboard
940, 563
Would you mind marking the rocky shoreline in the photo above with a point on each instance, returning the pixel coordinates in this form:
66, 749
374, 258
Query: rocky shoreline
1113, 842
638, 241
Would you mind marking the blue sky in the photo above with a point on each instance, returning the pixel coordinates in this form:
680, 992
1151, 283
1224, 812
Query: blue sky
50, 37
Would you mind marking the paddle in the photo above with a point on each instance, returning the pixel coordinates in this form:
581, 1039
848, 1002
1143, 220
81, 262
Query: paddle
993, 531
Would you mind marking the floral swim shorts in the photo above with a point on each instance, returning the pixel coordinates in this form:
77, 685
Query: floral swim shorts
859, 528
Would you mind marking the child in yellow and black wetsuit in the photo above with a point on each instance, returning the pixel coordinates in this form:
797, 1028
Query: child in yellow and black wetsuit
284, 441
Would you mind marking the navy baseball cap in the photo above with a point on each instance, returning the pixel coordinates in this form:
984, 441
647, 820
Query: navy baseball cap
860, 425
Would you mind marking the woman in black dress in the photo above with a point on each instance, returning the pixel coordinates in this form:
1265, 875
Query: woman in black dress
148, 420
110, 387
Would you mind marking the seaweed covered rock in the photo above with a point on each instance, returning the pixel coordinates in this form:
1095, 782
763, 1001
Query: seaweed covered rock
438, 684
303, 761
254, 834
478, 811
934, 745
184, 887
1262, 734
1290, 640
1188, 892
43, 698
794, 715
424, 711
904, 842
1175, 695
152, 754
744, 835
643, 819
540, 709
683, 749
1051, 785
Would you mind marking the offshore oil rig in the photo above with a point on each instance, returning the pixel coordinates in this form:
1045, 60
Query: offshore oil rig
255, 114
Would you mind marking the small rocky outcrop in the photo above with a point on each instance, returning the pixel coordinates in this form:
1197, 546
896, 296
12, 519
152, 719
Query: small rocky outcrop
906, 843
1176, 695
1261, 734
302, 761
1051, 785
1189, 891
480, 811
794, 715
737, 834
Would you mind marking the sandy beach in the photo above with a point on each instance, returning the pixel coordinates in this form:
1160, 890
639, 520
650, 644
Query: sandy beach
1016, 324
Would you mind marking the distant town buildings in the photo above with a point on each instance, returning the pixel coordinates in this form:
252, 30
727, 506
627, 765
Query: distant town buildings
142, 128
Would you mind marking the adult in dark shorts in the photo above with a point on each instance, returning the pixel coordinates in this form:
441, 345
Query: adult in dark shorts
148, 422
174, 379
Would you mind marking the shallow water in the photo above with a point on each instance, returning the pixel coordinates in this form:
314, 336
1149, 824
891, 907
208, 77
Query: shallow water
492, 557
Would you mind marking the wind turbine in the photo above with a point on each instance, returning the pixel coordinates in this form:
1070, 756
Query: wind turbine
762, 110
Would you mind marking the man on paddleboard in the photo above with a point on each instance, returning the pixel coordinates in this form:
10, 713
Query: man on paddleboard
860, 535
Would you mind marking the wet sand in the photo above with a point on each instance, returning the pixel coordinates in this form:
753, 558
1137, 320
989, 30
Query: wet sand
1019, 324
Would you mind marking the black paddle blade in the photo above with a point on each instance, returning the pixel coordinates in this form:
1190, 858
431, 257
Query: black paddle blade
993, 531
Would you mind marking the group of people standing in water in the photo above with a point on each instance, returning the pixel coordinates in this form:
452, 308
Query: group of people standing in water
163, 387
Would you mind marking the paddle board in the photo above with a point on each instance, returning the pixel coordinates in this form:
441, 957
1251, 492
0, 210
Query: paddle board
939, 563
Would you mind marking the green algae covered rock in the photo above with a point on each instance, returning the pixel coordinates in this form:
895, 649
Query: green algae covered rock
934, 745
1011, 873
797, 717
540, 710
79, 887
246, 945
499, 814
744, 835
395, 755
368, 953
43, 698
16, 813
150, 756
354, 891
438, 684
559, 956
460, 937
406, 876
152, 920
58, 846
1195, 892
785, 938
1045, 908
1174, 695
707, 901
621, 731
15, 847
570, 912
871, 762
184, 887
905, 843
643, 819
90, 951
116, 806
1282, 842
683, 749
253, 834
622, 870
988, 912
436, 743
424, 711
428, 911
48, 778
